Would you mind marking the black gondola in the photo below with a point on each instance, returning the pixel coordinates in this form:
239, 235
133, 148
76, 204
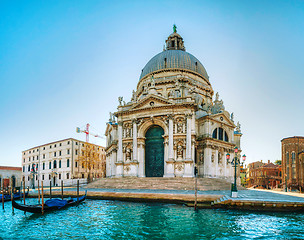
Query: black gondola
7, 197
49, 205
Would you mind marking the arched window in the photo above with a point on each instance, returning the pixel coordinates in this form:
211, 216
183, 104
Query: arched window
214, 135
55, 164
226, 137
59, 163
287, 158
221, 134
221, 131
293, 158
68, 162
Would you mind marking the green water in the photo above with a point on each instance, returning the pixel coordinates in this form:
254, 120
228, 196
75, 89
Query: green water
122, 220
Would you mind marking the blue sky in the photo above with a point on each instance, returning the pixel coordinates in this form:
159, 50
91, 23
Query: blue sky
64, 63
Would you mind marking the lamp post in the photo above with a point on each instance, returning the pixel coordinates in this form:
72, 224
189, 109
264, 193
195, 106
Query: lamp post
33, 173
235, 162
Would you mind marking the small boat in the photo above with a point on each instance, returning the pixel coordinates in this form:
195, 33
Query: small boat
49, 205
17, 195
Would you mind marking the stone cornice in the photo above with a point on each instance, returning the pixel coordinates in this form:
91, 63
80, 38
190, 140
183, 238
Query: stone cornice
181, 106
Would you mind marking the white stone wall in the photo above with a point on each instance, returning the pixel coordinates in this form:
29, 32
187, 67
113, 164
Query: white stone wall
64, 151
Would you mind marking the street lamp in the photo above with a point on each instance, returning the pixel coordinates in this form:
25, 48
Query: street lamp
235, 162
33, 173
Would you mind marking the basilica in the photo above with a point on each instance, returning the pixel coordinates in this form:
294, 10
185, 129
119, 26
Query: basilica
172, 123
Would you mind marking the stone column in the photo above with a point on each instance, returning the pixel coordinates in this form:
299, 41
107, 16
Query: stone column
207, 162
119, 153
188, 137
170, 140
135, 140
216, 163
141, 160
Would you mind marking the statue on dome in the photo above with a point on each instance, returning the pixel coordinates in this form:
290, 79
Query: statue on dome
152, 81
232, 116
174, 28
217, 96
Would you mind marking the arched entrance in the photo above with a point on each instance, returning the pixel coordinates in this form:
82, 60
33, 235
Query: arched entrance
154, 152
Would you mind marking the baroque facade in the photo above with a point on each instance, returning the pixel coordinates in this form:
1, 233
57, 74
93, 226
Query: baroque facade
171, 122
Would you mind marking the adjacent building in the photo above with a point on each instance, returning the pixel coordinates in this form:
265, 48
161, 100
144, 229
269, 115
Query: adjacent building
172, 122
293, 162
250, 175
66, 160
10, 175
265, 175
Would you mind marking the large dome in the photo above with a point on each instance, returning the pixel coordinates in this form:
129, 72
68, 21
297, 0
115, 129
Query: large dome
174, 59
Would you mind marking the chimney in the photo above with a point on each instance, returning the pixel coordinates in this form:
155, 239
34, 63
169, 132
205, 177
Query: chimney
268, 161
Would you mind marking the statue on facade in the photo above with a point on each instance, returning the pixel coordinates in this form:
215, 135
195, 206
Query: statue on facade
128, 132
133, 99
180, 151
217, 96
179, 127
238, 127
171, 93
177, 84
232, 117
201, 158
120, 99
128, 153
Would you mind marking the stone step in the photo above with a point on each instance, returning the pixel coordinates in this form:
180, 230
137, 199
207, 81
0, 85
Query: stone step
161, 183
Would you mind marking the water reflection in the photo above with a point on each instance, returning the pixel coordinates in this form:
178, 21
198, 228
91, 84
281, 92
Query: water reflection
123, 220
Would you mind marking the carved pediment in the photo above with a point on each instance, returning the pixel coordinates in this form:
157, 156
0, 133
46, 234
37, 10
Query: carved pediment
151, 101
222, 118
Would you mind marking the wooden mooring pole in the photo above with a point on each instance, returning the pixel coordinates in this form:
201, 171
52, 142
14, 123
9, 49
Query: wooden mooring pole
195, 195
2, 194
195, 186
38, 192
23, 190
62, 189
12, 193
77, 190
42, 200
50, 189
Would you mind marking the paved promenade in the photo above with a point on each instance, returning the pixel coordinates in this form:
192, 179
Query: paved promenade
249, 195
212, 193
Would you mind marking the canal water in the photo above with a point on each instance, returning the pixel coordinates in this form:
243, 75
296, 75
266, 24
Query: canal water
99, 219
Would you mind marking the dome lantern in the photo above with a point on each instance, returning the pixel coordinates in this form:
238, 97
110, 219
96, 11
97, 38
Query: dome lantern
175, 41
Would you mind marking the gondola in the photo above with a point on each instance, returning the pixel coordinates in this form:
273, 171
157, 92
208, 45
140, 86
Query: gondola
49, 205
7, 197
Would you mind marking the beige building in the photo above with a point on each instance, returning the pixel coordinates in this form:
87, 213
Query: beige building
172, 122
10, 175
68, 160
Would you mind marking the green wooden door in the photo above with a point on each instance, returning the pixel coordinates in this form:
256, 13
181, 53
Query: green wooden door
154, 154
